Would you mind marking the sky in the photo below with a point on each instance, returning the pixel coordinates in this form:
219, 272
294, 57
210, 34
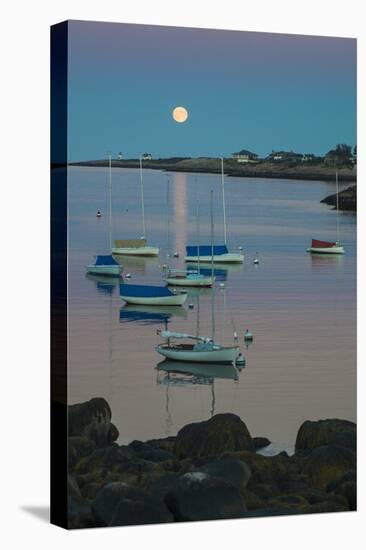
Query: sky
243, 90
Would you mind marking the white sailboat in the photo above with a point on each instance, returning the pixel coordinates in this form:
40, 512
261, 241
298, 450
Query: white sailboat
106, 264
200, 349
326, 247
151, 295
137, 247
221, 253
187, 277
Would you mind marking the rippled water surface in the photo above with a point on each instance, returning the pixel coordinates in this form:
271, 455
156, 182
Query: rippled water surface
300, 308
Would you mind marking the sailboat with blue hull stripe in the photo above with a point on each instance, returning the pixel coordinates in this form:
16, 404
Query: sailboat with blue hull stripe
105, 264
221, 253
152, 295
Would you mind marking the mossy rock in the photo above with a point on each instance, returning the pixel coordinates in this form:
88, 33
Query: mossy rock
92, 419
326, 464
221, 433
324, 432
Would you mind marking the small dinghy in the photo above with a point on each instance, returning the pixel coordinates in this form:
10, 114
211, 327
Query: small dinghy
105, 265
325, 247
99, 214
188, 278
150, 295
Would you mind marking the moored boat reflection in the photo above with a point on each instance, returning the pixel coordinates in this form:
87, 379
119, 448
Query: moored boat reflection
145, 315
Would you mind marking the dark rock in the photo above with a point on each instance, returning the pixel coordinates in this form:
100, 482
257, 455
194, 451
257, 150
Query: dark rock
317, 434
73, 488
92, 419
252, 501
99, 458
138, 466
125, 453
119, 504
78, 447
348, 490
78, 514
345, 439
166, 443
267, 512
113, 433
271, 470
222, 433
261, 442
348, 476
197, 497
156, 455
233, 471
140, 446
159, 487
288, 501
90, 490
326, 464
323, 507
264, 491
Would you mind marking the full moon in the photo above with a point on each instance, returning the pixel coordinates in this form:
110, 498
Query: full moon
180, 114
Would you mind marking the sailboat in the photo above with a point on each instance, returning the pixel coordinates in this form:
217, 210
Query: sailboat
151, 295
106, 264
137, 247
221, 253
200, 349
187, 277
326, 247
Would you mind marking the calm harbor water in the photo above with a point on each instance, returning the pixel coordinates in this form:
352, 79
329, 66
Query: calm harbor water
300, 308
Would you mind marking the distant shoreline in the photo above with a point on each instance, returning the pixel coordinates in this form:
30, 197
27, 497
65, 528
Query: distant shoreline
271, 170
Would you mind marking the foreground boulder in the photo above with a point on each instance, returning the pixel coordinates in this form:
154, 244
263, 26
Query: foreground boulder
92, 420
232, 471
327, 464
120, 504
222, 433
325, 432
197, 496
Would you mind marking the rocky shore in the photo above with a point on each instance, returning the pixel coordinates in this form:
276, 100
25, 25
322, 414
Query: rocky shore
347, 199
265, 169
210, 470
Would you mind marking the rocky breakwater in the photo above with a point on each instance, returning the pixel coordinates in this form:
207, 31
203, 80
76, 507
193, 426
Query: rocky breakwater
209, 470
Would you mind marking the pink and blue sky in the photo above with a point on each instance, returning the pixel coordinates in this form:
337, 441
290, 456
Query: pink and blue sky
256, 91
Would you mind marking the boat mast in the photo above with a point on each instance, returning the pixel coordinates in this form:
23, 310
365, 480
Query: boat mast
223, 198
168, 219
337, 206
110, 202
212, 272
142, 201
198, 262
198, 230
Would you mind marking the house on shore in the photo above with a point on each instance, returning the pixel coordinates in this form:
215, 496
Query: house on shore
308, 157
284, 156
245, 156
340, 156
147, 156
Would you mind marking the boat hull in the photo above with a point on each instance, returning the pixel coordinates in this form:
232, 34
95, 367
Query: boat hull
139, 251
204, 281
175, 300
330, 250
220, 356
230, 258
109, 270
